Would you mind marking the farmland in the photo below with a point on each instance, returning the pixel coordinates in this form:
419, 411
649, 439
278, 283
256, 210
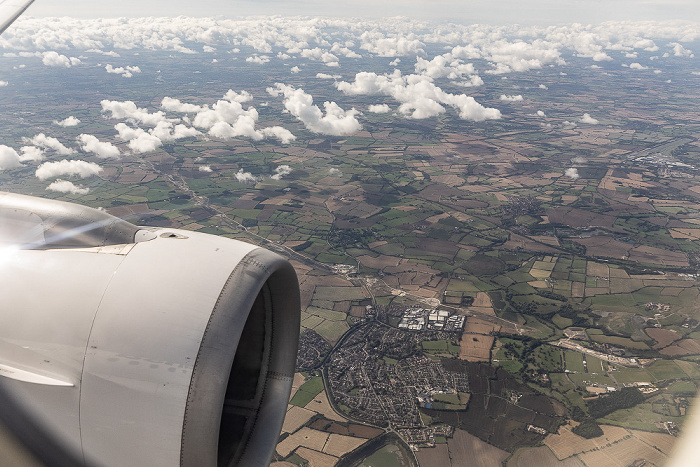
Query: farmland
570, 249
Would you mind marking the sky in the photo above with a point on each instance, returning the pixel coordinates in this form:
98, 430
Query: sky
468, 11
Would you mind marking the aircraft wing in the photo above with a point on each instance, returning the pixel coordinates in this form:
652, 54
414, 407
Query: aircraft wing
10, 11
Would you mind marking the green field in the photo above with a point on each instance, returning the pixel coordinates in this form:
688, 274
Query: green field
574, 361
338, 293
307, 391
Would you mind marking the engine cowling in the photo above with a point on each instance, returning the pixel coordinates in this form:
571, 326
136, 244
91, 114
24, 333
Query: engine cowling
144, 346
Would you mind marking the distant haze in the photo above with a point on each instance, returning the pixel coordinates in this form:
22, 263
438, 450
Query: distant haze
466, 11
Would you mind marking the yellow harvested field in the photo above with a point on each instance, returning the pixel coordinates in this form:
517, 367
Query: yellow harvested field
539, 273
661, 441
295, 418
590, 291
320, 405
597, 269
565, 444
337, 445
475, 348
467, 450
626, 452
482, 304
315, 458
476, 326
541, 457
597, 458
577, 289
449, 180
380, 262
282, 464
621, 273
306, 437
547, 240
538, 284
482, 299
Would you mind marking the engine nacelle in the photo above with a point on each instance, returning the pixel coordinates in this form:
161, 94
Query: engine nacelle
143, 346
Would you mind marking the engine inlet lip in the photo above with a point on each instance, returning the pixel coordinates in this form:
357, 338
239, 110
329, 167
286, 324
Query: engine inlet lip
212, 367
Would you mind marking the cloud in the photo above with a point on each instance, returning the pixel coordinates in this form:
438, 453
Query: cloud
205, 168
579, 160
3, 83
140, 141
541, 114
126, 72
281, 171
31, 153
572, 173
9, 159
335, 122
68, 121
245, 177
379, 108
48, 142
335, 172
638, 66
259, 59
76, 168
588, 119
542, 86
295, 70
510, 98
443, 66
419, 97
327, 76
321, 55
175, 105
103, 150
680, 51
55, 59
377, 43
110, 53
65, 186
228, 119
129, 111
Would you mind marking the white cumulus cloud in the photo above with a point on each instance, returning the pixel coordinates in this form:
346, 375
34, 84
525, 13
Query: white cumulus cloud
259, 59
335, 122
588, 119
48, 142
379, 108
66, 186
327, 76
419, 97
205, 168
281, 171
76, 168
103, 150
228, 119
31, 153
126, 72
129, 111
55, 59
572, 173
245, 177
9, 159
68, 121
511, 98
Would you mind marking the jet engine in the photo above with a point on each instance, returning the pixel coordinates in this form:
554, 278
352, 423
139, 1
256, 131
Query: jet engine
126, 345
